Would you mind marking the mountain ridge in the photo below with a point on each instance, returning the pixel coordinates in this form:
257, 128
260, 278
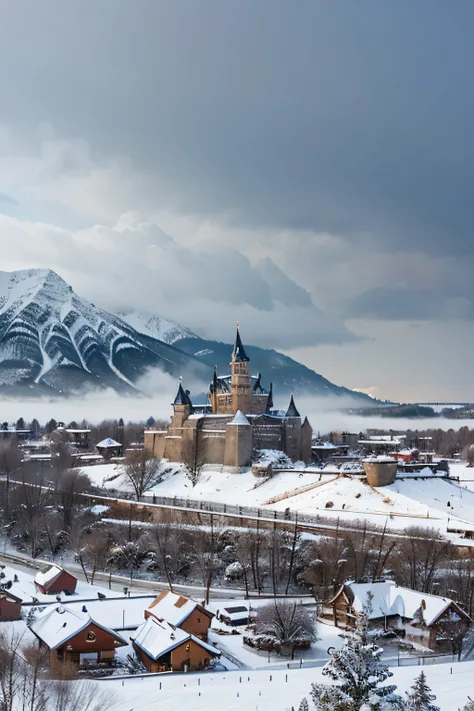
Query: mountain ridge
54, 342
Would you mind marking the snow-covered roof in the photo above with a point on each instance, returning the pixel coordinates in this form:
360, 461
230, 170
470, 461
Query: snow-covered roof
115, 613
239, 419
108, 442
172, 607
390, 599
49, 576
59, 623
158, 637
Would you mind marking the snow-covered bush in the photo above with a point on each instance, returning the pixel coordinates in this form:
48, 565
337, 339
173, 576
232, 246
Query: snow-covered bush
234, 571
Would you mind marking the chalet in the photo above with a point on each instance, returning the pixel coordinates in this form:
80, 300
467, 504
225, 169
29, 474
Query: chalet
437, 623
54, 581
162, 647
181, 612
72, 636
109, 448
10, 606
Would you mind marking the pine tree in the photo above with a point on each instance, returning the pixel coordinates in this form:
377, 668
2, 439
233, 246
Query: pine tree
469, 706
304, 706
359, 671
419, 697
151, 421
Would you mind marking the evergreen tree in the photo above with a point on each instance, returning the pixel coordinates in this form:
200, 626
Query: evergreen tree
20, 425
304, 706
419, 697
151, 421
51, 426
35, 428
359, 671
469, 706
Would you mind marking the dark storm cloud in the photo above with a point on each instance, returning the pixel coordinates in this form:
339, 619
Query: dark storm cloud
335, 116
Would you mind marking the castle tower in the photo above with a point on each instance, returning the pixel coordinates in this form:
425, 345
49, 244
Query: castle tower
241, 382
238, 442
292, 432
182, 406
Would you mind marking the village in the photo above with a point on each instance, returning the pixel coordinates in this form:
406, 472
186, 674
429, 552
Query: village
233, 539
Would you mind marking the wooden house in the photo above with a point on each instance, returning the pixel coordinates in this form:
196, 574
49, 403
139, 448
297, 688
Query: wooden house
54, 581
10, 606
181, 612
162, 647
72, 636
435, 622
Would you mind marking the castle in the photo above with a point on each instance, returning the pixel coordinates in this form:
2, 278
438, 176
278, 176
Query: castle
239, 419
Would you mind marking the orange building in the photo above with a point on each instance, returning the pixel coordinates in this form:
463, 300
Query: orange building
162, 647
181, 612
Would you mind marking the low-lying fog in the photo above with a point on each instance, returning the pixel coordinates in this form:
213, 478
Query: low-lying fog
324, 414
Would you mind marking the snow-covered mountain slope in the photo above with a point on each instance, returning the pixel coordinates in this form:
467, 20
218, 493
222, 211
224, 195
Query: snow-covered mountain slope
53, 341
163, 329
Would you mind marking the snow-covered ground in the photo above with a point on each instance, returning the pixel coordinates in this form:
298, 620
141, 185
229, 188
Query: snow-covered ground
425, 501
268, 690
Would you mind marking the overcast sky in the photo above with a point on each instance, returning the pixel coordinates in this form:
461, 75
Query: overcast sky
305, 167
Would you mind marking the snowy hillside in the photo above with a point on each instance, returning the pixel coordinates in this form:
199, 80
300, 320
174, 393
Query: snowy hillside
157, 327
52, 341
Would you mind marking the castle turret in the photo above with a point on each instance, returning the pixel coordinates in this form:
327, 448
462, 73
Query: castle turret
240, 379
292, 432
238, 441
182, 406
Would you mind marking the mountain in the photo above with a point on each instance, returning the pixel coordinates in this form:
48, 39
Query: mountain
54, 342
158, 327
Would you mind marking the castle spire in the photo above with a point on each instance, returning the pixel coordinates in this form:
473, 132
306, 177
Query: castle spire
239, 355
270, 398
214, 380
292, 411
182, 396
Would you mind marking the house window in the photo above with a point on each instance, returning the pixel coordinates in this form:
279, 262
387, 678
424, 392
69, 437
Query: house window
199, 619
91, 636
188, 647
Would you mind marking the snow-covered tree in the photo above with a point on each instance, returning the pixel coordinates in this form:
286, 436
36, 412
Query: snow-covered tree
419, 697
304, 706
359, 672
469, 706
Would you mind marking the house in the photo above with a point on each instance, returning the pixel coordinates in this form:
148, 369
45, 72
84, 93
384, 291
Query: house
109, 448
163, 647
181, 612
72, 636
54, 581
79, 437
239, 419
435, 622
10, 606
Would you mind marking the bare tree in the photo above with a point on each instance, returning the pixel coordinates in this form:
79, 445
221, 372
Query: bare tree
289, 622
140, 470
166, 543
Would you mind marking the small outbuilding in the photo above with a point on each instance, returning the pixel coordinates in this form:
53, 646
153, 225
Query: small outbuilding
181, 612
109, 448
10, 606
235, 615
72, 636
55, 580
162, 647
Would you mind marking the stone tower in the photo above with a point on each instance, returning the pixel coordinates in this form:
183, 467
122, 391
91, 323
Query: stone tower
238, 442
240, 379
